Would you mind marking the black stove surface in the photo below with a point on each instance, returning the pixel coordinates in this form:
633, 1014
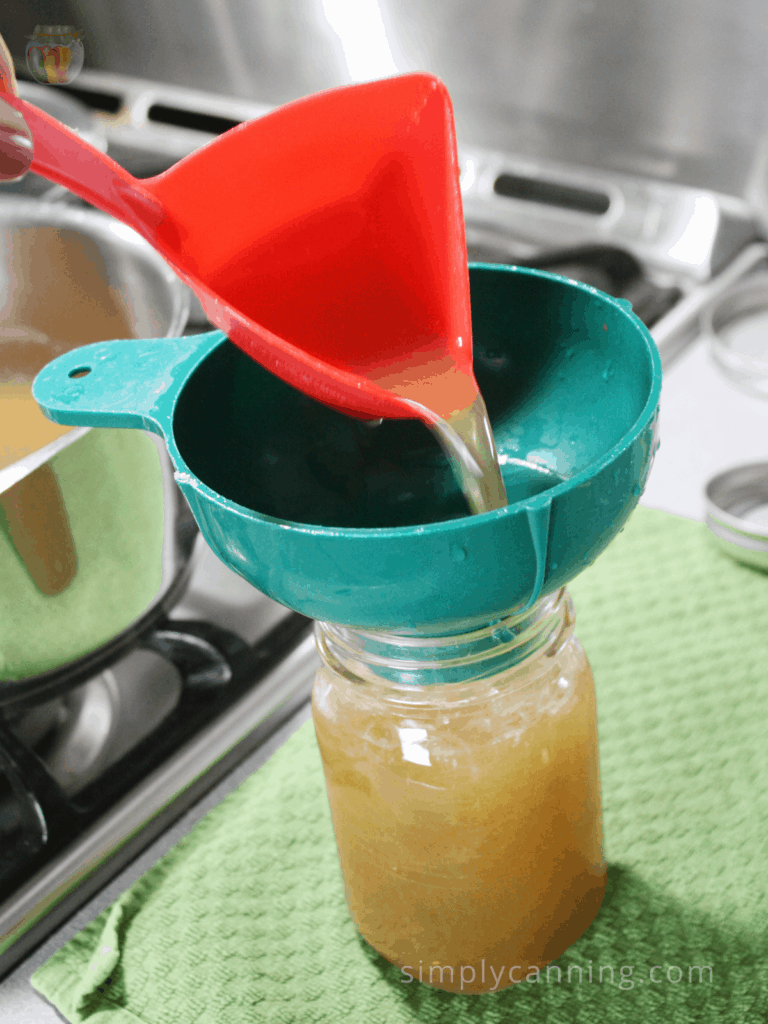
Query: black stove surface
612, 270
59, 782
38, 817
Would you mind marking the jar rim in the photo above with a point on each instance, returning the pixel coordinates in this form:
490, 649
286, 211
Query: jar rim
412, 659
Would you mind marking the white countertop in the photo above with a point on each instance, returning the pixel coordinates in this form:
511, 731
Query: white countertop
705, 426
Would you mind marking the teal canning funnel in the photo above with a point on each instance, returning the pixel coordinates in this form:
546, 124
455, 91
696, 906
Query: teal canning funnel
365, 525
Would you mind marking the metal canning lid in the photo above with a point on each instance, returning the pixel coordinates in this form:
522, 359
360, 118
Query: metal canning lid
736, 511
736, 326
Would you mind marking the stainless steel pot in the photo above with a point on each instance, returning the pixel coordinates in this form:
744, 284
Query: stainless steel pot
95, 537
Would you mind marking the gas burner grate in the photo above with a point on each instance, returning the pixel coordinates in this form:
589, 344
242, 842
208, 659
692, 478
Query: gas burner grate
42, 811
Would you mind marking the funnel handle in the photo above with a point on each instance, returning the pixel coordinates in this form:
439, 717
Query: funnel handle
132, 383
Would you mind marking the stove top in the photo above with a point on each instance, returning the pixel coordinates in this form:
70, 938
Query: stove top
89, 779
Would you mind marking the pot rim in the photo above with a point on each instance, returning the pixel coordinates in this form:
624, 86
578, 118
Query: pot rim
23, 211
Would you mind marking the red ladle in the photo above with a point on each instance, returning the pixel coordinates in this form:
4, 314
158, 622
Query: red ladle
326, 239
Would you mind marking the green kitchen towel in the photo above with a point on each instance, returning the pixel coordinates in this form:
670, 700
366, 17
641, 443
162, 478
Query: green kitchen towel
245, 920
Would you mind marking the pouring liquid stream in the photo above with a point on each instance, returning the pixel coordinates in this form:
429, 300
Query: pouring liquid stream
449, 403
466, 438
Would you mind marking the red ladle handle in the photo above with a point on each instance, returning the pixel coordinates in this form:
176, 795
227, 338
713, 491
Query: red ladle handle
63, 157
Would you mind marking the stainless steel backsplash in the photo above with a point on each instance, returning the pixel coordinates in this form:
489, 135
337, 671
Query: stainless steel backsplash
671, 90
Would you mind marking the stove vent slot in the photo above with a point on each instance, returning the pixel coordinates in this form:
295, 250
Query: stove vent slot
550, 193
210, 123
107, 102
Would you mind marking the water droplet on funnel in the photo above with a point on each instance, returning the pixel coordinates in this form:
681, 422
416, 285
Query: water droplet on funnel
458, 553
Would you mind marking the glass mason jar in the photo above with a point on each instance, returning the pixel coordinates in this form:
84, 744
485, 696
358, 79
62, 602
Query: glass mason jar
462, 776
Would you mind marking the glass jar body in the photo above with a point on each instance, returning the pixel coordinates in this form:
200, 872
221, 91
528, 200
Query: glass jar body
466, 814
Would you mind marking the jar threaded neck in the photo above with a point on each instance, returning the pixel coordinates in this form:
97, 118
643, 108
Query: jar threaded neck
415, 659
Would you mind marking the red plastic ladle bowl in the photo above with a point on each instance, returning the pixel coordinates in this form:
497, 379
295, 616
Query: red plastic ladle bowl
326, 239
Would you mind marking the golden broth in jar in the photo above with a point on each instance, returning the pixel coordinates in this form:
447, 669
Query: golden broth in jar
467, 814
